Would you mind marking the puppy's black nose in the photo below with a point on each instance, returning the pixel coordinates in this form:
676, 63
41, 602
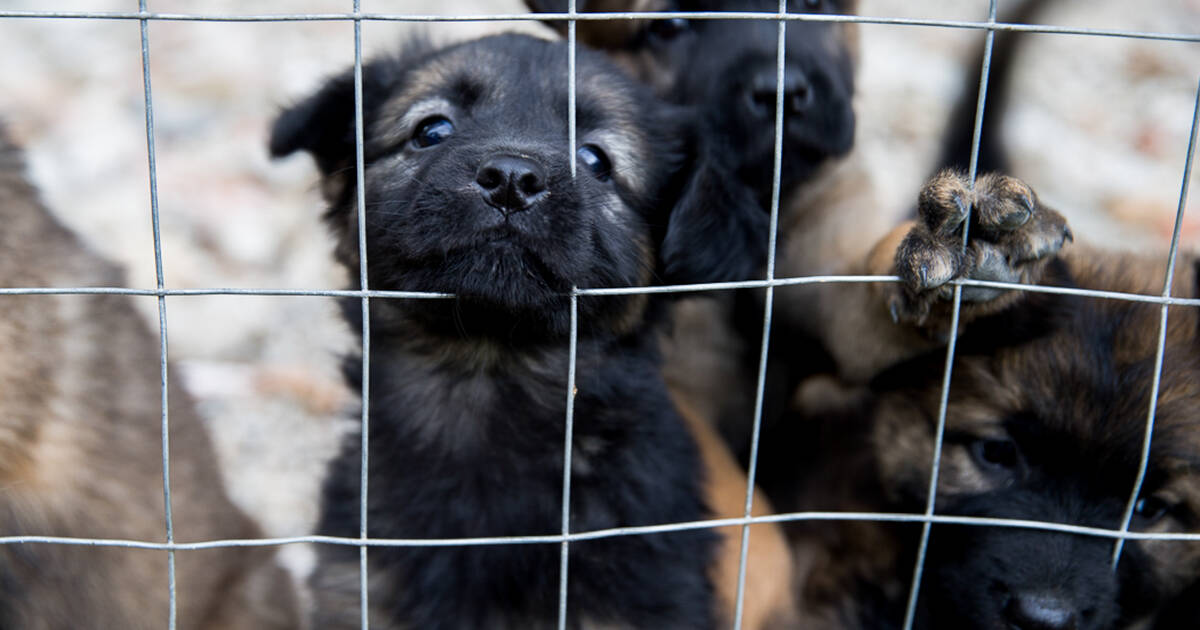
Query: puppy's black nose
510, 183
1041, 611
797, 92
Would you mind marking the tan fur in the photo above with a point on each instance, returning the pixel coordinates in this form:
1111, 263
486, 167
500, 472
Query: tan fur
768, 601
79, 433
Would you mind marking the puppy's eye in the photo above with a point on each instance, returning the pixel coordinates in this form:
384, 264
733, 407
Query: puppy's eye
996, 456
1151, 509
812, 4
433, 130
667, 30
596, 161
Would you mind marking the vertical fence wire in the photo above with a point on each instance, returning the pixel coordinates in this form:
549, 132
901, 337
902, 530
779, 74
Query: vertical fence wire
768, 308
573, 341
568, 437
365, 396
1160, 351
914, 591
165, 420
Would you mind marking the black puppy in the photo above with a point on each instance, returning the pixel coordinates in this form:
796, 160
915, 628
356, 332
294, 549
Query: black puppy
829, 211
469, 191
728, 69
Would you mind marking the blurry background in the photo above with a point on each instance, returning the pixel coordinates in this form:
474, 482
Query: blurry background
1099, 126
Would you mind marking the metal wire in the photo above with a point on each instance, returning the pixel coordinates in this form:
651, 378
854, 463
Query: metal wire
677, 288
573, 342
768, 309
600, 16
165, 421
944, 401
365, 394
1160, 351
786, 517
365, 294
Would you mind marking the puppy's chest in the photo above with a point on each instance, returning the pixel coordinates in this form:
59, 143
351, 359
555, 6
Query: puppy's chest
498, 442
516, 415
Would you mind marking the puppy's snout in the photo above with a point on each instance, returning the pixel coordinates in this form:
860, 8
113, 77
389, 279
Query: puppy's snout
797, 92
510, 183
1041, 611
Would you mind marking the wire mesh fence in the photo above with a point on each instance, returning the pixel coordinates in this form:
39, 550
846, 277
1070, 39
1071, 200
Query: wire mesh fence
144, 16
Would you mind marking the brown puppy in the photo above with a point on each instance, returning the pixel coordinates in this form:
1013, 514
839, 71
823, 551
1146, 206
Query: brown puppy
79, 433
1046, 417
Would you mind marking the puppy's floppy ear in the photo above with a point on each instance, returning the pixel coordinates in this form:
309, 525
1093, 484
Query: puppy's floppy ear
323, 123
717, 230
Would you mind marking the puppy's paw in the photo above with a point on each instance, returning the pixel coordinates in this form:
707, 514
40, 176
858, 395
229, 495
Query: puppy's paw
1010, 239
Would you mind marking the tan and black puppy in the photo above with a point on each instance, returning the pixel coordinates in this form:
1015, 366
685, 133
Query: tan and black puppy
469, 190
79, 433
1045, 422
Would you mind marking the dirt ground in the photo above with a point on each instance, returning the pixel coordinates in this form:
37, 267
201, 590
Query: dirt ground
1099, 126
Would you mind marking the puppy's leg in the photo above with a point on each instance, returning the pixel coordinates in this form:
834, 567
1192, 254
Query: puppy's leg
768, 601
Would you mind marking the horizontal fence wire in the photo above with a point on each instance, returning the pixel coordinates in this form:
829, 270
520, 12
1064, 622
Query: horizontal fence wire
675, 288
615, 532
363, 541
597, 17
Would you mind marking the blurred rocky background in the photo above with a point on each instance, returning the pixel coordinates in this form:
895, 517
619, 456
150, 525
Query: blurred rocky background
1099, 126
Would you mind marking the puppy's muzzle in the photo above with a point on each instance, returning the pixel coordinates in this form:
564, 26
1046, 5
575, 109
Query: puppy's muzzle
797, 92
510, 183
1041, 611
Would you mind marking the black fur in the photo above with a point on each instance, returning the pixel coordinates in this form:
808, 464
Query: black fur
959, 138
737, 87
468, 395
728, 69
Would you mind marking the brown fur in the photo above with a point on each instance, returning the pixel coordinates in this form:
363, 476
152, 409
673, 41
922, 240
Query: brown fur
80, 409
1020, 354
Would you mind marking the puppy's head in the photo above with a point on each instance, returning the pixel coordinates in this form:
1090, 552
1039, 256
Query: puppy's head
728, 68
1052, 430
469, 190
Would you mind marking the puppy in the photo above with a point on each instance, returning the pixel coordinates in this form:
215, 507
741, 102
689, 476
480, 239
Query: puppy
469, 191
727, 69
1045, 422
82, 457
829, 211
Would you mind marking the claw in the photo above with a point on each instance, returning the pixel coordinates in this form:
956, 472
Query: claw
1068, 237
923, 275
962, 207
1014, 220
894, 310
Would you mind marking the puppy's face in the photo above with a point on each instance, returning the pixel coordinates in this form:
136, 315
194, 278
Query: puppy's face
468, 181
1052, 431
728, 68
